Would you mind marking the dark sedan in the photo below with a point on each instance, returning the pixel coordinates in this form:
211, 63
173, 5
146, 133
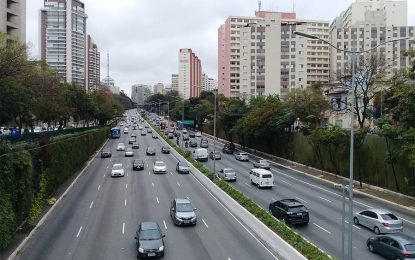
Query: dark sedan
192, 143
393, 246
165, 149
135, 145
138, 165
192, 135
290, 210
149, 240
105, 153
150, 151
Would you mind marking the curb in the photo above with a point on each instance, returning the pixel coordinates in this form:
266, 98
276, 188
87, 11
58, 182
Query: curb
44, 218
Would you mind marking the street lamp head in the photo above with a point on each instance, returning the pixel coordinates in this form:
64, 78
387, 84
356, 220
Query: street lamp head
306, 35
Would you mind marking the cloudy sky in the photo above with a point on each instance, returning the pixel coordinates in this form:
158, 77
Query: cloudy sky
143, 36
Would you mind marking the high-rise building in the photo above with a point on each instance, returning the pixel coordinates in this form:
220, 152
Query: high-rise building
93, 72
175, 82
260, 55
190, 74
158, 88
212, 84
63, 39
139, 93
13, 18
204, 82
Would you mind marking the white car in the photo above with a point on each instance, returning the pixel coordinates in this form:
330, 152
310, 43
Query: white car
117, 170
126, 130
129, 152
198, 134
241, 156
121, 147
159, 167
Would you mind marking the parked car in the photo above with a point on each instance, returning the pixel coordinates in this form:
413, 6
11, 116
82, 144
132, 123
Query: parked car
149, 240
138, 164
393, 246
263, 164
228, 148
182, 167
117, 170
121, 147
165, 149
182, 212
129, 152
262, 178
241, 156
290, 210
215, 156
105, 153
131, 141
379, 220
159, 167
150, 151
135, 145
227, 174
192, 143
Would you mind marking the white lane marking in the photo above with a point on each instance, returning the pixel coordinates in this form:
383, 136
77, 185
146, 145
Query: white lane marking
99, 187
103, 176
229, 258
237, 220
325, 199
178, 184
171, 173
127, 174
286, 182
353, 224
92, 203
126, 186
321, 228
204, 222
152, 184
148, 173
123, 227
79, 231
108, 166
157, 198
125, 202
165, 226
301, 199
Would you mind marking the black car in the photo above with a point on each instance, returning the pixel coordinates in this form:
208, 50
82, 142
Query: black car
149, 240
135, 145
228, 148
192, 143
150, 151
291, 210
165, 149
138, 165
105, 153
192, 135
393, 246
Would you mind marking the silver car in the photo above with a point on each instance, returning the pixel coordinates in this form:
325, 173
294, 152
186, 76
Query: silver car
379, 220
182, 167
241, 157
182, 212
227, 174
129, 152
263, 164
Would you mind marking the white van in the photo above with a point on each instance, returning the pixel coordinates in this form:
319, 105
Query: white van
200, 154
261, 178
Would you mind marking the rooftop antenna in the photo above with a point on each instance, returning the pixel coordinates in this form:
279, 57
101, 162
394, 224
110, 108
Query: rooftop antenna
259, 5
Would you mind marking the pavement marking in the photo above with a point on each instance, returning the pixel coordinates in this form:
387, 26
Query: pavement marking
126, 185
103, 176
127, 174
301, 200
123, 227
149, 173
152, 184
204, 222
125, 202
165, 226
92, 203
353, 224
108, 166
321, 228
99, 187
171, 173
178, 184
229, 258
325, 199
79, 231
286, 182
157, 198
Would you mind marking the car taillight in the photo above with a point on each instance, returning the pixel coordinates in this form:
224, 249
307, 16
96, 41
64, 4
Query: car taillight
405, 254
385, 224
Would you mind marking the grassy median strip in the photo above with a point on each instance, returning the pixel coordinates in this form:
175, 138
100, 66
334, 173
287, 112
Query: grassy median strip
281, 229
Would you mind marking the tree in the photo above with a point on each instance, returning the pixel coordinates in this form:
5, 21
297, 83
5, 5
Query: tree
231, 111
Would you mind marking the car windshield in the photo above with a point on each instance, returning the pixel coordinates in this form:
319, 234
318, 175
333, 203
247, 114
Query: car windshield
120, 144
150, 149
388, 216
243, 154
149, 234
297, 209
410, 247
138, 162
184, 207
263, 161
228, 171
159, 164
183, 164
267, 176
117, 167
129, 150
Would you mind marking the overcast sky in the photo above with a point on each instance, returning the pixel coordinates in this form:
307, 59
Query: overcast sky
143, 37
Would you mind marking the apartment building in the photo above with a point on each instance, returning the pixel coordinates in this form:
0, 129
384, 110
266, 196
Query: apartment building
139, 93
204, 82
93, 72
212, 84
159, 88
63, 39
190, 74
13, 18
175, 82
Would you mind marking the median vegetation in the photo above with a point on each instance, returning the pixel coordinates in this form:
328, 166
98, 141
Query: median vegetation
280, 228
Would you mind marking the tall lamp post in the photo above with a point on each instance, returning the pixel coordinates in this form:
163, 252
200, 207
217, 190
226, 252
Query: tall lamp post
214, 135
354, 55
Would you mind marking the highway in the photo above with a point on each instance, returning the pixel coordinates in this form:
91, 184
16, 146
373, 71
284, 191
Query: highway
99, 216
323, 201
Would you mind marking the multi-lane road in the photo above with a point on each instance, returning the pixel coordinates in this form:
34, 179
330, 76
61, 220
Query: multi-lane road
323, 201
98, 217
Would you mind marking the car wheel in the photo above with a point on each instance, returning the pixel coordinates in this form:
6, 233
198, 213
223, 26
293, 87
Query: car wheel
398, 258
287, 222
376, 230
356, 220
370, 247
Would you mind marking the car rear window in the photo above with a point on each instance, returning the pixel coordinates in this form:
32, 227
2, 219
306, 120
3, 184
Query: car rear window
409, 247
389, 216
159, 164
296, 209
243, 154
267, 176
117, 167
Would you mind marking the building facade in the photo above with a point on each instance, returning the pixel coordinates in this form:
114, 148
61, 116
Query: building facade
212, 84
13, 18
190, 74
139, 93
63, 39
159, 88
93, 73
175, 82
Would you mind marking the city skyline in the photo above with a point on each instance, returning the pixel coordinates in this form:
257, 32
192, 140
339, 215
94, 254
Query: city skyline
138, 61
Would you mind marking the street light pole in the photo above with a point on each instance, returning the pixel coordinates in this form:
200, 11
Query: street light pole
214, 137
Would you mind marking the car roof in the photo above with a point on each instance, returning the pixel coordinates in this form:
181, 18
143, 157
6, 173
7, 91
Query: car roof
379, 211
149, 225
158, 162
117, 164
182, 162
403, 238
138, 160
291, 202
180, 200
262, 171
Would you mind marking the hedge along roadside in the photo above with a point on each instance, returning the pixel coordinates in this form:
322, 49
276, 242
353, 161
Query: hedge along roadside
290, 236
